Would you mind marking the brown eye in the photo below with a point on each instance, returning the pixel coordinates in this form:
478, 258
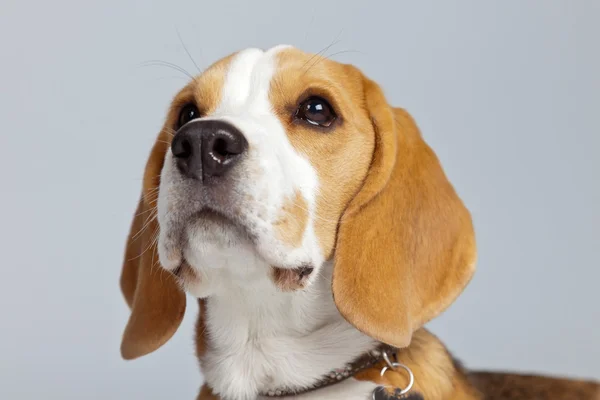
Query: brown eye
316, 111
187, 113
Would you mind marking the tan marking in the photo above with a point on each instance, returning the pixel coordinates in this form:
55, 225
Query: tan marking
341, 155
293, 218
208, 86
206, 394
503, 386
436, 377
201, 329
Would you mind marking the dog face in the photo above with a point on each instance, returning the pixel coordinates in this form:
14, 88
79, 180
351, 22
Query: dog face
266, 152
272, 163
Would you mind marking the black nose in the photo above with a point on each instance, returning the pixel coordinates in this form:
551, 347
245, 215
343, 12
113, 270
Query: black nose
204, 149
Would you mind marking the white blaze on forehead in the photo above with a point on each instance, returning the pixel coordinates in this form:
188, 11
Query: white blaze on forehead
237, 85
248, 79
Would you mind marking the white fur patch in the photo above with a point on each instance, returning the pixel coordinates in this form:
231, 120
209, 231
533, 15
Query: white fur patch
259, 338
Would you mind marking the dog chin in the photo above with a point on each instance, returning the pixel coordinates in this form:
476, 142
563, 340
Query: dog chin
218, 250
218, 253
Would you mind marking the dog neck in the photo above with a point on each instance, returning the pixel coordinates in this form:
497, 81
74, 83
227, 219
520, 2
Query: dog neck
257, 338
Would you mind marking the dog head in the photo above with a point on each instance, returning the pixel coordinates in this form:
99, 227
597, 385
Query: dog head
274, 163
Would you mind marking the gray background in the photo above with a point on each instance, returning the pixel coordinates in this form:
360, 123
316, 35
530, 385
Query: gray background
507, 93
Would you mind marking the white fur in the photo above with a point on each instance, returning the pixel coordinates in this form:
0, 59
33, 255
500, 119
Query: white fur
258, 338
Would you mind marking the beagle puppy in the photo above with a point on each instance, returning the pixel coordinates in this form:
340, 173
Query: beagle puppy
317, 230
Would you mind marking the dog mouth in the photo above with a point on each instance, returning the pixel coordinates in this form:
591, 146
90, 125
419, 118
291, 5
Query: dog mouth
213, 227
290, 279
184, 271
210, 218
211, 215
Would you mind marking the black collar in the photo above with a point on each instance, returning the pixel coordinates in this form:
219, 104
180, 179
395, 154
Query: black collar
361, 363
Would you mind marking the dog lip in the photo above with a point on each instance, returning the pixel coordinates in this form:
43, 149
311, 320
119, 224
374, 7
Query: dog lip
213, 215
304, 271
290, 279
183, 269
221, 218
178, 269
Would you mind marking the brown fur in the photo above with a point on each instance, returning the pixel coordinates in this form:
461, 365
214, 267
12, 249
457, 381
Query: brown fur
405, 236
154, 319
206, 394
401, 239
340, 154
502, 386
293, 217
436, 376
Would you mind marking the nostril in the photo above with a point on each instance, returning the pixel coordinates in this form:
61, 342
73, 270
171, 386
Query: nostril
181, 148
186, 148
220, 147
304, 272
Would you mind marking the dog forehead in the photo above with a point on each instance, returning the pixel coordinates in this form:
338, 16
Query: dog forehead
248, 78
245, 78
242, 79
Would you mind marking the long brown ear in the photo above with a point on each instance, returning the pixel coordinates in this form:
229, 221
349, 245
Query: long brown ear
405, 247
157, 303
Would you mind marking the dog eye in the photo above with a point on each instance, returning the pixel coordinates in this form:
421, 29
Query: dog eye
316, 111
187, 113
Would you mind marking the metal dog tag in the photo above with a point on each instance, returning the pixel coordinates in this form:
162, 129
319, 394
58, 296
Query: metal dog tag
380, 392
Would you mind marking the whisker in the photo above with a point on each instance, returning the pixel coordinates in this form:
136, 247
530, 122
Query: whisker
317, 55
167, 64
150, 219
152, 243
152, 259
187, 51
170, 131
321, 57
142, 213
327, 278
333, 43
321, 51
329, 57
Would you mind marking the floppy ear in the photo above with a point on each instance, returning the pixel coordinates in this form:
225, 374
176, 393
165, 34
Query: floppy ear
156, 301
405, 247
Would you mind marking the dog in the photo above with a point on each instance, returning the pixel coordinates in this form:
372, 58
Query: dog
319, 234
